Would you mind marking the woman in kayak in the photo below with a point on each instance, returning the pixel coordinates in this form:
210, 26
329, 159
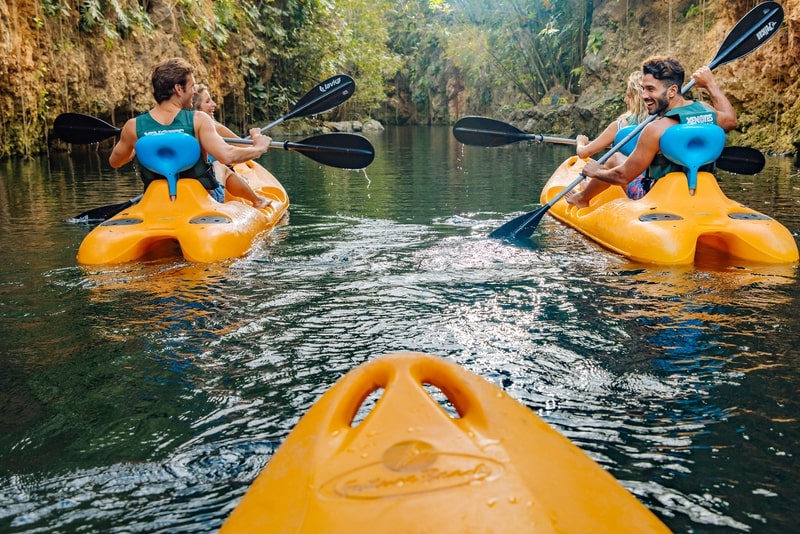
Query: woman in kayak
636, 112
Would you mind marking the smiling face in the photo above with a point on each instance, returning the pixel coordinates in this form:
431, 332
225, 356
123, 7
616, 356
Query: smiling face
185, 91
657, 94
205, 103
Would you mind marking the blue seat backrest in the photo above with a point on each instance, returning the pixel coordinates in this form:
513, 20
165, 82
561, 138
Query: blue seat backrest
628, 147
168, 154
692, 146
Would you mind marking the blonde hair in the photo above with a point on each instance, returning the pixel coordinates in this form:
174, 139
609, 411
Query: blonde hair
637, 109
200, 88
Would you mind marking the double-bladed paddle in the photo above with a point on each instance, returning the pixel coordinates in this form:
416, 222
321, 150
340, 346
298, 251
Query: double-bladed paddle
754, 29
486, 132
80, 129
77, 128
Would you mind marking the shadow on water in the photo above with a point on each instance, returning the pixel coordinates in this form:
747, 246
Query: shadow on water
146, 397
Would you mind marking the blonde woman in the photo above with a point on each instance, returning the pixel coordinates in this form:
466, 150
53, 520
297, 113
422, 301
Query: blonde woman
636, 113
237, 185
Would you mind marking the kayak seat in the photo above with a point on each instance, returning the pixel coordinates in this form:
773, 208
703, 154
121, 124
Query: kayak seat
168, 154
692, 146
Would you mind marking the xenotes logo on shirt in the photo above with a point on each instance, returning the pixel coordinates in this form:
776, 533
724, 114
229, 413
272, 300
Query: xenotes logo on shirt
706, 118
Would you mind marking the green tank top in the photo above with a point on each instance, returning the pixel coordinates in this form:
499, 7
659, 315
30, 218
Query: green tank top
694, 113
183, 122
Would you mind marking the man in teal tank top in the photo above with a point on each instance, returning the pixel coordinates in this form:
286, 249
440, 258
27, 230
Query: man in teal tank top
662, 79
173, 87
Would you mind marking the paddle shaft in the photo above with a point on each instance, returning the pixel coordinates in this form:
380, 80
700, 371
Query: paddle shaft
303, 146
763, 29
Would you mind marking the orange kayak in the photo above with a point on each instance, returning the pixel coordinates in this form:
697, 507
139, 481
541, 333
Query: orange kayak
194, 225
671, 226
410, 466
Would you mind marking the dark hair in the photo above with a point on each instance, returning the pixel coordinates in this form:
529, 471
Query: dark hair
168, 73
665, 69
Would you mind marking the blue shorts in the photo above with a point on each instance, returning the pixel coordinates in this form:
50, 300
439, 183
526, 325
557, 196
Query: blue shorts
218, 193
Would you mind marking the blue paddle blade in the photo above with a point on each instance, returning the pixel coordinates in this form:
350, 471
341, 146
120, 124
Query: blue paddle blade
692, 145
168, 154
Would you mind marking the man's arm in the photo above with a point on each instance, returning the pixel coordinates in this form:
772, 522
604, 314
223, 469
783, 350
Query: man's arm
646, 149
726, 115
227, 154
124, 149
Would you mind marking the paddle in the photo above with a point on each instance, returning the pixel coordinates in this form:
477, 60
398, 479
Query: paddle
104, 212
485, 132
753, 30
741, 160
340, 150
77, 128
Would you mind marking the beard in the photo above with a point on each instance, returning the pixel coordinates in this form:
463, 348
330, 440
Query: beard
661, 103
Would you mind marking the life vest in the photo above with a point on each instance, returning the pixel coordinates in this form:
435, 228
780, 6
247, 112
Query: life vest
184, 123
694, 113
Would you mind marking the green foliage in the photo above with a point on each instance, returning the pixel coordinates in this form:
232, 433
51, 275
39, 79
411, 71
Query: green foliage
114, 19
530, 46
693, 10
596, 41
54, 8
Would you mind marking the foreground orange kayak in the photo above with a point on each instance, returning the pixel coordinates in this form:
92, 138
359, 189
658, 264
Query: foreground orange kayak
194, 225
410, 466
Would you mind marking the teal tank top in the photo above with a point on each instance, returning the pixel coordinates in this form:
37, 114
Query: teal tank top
694, 113
183, 122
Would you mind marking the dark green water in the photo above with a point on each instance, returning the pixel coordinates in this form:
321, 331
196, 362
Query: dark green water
146, 397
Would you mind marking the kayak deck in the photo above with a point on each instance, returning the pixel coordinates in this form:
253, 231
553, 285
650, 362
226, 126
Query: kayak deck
410, 466
194, 225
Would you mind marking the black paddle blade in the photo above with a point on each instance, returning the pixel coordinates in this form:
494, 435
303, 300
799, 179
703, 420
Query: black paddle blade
753, 30
102, 213
741, 160
325, 96
523, 225
80, 129
341, 150
485, 132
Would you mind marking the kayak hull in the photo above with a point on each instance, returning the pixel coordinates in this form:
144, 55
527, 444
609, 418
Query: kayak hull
669, 226
410, 466
194, 225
